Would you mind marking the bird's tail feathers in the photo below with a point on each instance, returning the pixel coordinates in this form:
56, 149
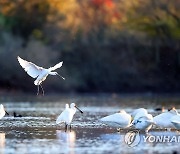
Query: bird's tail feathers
36, 82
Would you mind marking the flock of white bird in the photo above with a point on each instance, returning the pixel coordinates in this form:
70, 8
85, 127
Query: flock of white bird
142, 120
139, 118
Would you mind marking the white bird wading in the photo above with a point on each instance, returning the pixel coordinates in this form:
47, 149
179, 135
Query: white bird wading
67, 115
142, 120
120, 119
37, 72
163, 120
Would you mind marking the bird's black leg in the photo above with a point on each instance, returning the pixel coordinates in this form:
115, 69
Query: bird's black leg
66, 127
70, 127
42, 89
37, 90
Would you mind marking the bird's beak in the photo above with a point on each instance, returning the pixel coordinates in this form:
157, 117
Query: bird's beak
131, 125
61, 76
78, 109
133, 122
6, 112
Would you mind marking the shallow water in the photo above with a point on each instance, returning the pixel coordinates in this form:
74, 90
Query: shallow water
36, 132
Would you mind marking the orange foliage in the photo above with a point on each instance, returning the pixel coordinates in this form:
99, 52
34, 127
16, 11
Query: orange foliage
108, 8
107, 3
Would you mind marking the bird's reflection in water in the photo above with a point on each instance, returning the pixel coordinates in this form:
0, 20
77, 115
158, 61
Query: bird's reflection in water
68, 139
2, 143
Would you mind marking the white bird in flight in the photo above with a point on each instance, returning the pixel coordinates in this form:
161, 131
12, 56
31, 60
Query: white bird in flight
39, 73
67, 115
2, 111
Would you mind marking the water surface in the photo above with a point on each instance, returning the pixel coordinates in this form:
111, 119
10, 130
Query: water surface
36, 132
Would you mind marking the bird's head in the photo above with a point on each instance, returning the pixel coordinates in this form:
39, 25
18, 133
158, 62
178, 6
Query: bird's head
73, 105
121, 111
67, 106
3, 108
56, 73
53, 73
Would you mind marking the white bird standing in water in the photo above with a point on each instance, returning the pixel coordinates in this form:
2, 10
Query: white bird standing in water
2, 111
37, 72
163, 120
67, 115
142, 120
120, 119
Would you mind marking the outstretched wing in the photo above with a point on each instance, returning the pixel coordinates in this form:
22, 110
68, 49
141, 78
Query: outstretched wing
31, 69
56, 66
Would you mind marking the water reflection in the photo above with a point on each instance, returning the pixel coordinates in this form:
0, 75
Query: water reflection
112, 136
2, 143
36, 132
145, 142
67, 139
